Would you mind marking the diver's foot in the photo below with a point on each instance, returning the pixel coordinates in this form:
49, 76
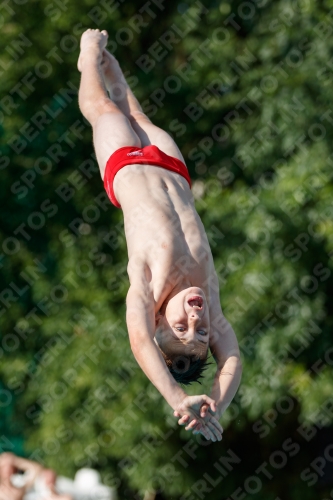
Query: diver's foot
92, 44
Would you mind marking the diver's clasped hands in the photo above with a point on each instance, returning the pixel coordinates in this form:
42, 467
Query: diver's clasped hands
197, 413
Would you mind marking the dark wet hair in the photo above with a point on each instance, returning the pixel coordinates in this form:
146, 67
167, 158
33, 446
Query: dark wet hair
186, 370
186, 360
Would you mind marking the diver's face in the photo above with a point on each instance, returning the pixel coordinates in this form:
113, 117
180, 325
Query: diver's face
186, 317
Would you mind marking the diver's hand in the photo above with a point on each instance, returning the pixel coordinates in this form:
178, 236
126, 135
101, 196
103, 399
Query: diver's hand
197, 413
212, 424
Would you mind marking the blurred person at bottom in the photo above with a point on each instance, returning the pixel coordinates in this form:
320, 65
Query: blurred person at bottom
33, 472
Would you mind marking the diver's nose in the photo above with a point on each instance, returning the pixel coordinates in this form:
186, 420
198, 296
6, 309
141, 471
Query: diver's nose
194, 318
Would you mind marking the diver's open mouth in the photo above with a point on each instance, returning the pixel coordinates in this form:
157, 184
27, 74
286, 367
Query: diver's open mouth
196, 302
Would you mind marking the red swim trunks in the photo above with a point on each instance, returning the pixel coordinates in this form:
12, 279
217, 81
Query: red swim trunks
149, 155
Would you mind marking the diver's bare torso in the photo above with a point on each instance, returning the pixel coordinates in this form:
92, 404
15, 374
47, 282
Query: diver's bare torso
165, 236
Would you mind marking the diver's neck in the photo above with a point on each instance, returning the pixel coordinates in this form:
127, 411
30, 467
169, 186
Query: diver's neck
179, 287
185, 283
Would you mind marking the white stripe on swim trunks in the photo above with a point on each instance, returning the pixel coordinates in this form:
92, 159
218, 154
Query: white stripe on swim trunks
135, 153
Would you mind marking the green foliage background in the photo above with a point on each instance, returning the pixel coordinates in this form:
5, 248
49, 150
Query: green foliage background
261, 158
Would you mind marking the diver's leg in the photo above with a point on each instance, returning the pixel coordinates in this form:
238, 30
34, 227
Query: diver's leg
111, 128
123, 96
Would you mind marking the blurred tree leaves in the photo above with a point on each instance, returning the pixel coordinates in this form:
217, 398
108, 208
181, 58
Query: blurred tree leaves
255, 125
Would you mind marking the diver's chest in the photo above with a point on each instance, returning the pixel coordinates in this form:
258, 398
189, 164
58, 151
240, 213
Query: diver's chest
174, 266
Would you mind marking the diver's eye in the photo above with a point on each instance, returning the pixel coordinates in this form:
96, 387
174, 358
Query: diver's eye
202, 332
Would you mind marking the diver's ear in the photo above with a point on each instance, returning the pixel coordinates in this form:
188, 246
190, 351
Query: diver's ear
158, 316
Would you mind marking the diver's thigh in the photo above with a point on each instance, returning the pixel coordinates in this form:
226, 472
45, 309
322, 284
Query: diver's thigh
150, 134
111, 132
